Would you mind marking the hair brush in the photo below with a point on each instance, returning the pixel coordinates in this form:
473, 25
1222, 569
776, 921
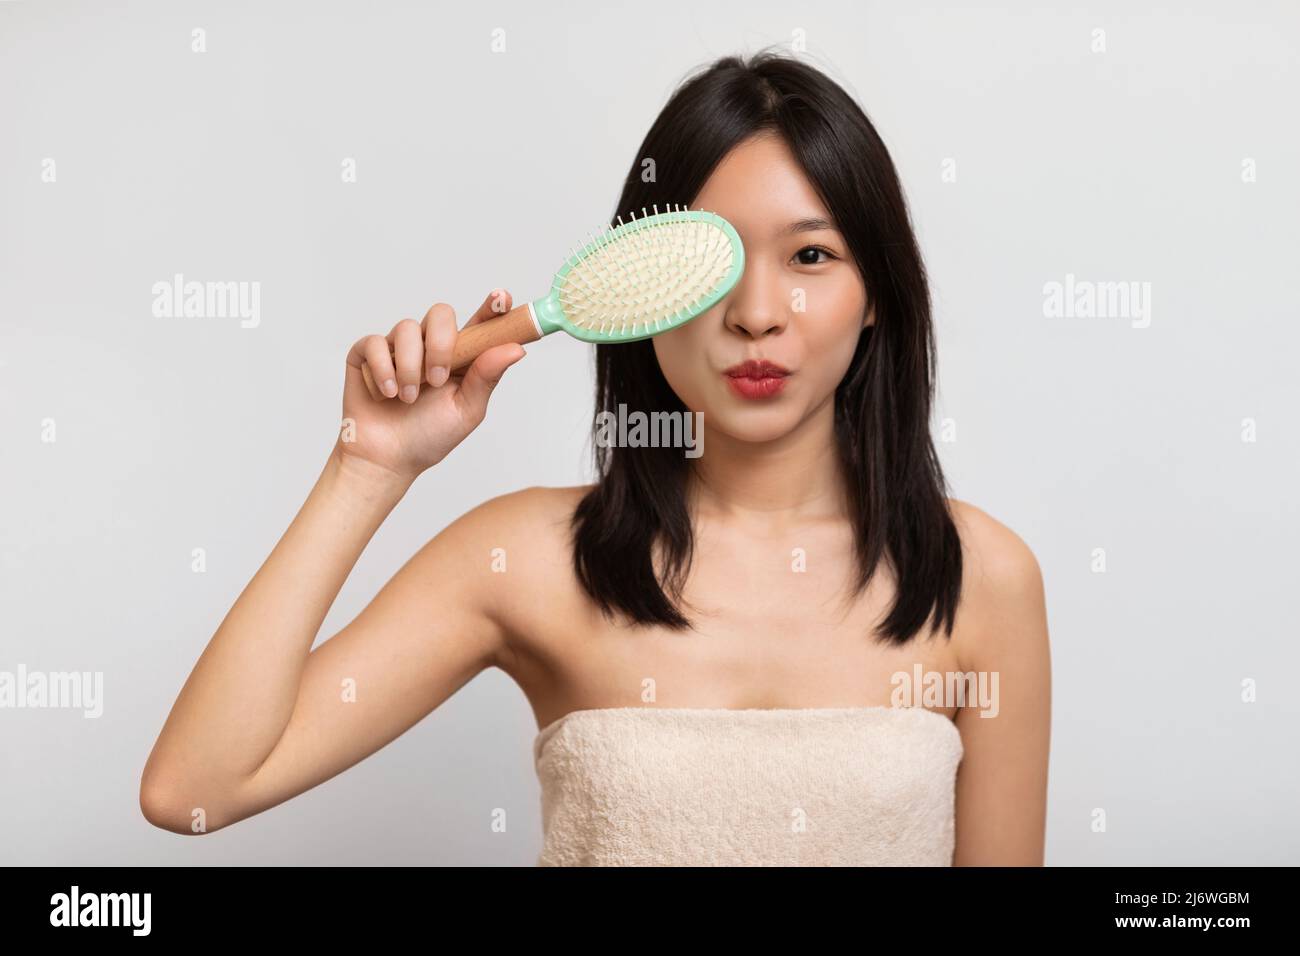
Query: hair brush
630, 282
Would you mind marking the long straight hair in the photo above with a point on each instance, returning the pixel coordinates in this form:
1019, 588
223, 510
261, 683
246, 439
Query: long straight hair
632, 533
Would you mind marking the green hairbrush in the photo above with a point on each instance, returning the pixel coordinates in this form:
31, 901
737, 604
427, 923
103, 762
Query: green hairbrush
630, 282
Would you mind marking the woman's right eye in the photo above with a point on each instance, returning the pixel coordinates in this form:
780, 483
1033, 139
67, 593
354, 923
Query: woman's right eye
814, 249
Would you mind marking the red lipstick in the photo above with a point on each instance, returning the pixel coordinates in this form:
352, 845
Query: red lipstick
756, 378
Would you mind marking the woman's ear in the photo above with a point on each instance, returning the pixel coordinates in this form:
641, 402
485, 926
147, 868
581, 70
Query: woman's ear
869, 317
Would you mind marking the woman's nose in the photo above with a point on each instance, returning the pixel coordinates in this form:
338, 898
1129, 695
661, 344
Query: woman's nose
757, 305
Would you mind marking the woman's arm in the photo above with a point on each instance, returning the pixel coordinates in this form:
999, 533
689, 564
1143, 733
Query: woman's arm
1002, 779
262, 717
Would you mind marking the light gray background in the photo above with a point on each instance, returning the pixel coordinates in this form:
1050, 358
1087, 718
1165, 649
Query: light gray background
478, 169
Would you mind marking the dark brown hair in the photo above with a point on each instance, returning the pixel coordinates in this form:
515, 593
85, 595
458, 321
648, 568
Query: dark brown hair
636, 518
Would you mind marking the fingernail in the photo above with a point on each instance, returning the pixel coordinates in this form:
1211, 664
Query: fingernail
409, 392
389, 387
438, 375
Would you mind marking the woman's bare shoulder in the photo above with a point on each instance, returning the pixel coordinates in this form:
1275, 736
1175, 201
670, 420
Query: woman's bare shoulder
993, 551
520, 547
525, 530
529, 509
1002, 601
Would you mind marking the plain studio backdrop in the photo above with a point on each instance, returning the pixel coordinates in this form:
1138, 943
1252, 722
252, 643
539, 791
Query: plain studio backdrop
359, 162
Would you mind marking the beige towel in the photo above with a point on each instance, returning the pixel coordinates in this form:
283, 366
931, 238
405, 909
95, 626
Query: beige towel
678, 786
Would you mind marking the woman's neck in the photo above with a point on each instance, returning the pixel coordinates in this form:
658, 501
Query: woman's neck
797, 477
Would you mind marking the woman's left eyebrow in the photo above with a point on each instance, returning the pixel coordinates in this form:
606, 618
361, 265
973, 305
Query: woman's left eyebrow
811, 224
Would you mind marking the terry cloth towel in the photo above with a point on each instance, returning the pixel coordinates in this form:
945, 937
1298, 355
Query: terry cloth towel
686, 786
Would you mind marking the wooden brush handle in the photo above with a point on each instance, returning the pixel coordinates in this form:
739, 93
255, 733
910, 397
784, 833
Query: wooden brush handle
515, 326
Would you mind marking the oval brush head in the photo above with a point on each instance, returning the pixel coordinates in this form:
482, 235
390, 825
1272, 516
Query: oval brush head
645, 276
632, 281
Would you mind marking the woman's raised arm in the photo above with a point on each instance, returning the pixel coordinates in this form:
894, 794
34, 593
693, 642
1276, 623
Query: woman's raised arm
262, 717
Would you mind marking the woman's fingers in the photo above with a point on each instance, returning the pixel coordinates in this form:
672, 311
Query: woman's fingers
395, 365
408, 355
439, 342
496, 303
370, 354
482, 376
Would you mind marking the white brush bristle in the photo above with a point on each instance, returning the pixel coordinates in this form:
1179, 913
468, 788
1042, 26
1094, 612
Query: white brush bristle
645, 280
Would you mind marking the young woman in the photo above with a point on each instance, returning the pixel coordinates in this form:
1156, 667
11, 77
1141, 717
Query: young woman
714, 647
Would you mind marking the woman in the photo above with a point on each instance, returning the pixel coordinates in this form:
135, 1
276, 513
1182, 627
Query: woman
715, 647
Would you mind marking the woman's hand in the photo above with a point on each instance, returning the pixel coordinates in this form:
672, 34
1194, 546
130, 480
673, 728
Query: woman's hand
237, 754
402, 410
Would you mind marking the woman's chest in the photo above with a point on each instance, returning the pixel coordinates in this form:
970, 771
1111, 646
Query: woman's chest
758, 641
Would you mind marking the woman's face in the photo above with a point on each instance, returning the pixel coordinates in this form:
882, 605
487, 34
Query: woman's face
800, 303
